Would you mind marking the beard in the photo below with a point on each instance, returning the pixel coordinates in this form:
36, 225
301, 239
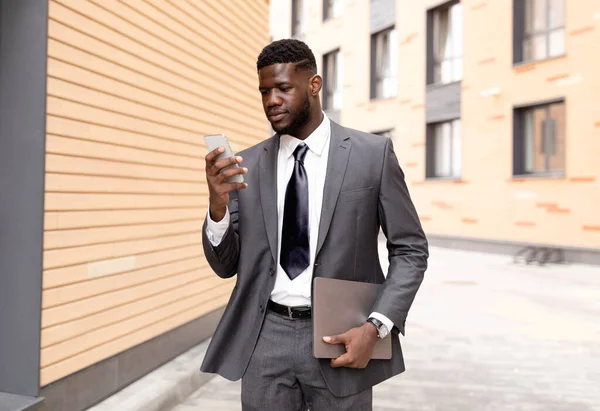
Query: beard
299, 118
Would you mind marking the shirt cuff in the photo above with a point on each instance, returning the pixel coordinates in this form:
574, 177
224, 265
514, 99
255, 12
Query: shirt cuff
216, 230
386, 321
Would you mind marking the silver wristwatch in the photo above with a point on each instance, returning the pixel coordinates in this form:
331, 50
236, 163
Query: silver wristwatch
382, 330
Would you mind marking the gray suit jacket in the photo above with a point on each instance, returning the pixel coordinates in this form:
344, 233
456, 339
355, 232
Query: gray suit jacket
364, 190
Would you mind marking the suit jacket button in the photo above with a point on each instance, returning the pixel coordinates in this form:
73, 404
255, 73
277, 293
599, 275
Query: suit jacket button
262, 308
272, 272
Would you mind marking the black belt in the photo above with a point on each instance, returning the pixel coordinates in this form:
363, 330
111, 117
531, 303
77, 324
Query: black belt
294, 313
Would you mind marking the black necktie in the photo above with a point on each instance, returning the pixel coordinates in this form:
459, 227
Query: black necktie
295, 251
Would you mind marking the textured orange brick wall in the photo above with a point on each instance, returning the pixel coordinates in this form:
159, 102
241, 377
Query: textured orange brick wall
487, 202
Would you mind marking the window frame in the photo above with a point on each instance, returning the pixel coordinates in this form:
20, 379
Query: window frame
374, 75
431, 150
328, 100
519, 152
432, 41
330, 4
298, 15
521, 35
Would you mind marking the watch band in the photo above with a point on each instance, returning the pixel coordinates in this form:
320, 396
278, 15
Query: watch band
378, 324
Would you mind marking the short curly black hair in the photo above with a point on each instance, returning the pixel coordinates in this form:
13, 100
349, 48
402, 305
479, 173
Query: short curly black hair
287, 51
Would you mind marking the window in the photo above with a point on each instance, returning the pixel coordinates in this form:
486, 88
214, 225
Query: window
539, 140
384, 64
444, 149
299, 17
332, 8
539, 29
445, 44
332, 81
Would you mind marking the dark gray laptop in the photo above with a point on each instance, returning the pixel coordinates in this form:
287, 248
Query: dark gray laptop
338, 306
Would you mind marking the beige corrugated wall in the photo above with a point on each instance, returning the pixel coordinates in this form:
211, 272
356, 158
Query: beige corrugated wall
132, 88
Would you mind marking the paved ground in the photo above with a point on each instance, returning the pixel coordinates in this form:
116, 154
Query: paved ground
485, 334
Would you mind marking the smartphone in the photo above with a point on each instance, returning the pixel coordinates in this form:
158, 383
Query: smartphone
219, 140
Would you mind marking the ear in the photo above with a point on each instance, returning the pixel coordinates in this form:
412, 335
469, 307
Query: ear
315, 83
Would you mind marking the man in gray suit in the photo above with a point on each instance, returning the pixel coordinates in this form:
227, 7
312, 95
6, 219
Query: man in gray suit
314, 199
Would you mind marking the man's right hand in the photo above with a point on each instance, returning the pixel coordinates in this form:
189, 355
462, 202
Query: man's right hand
218, 187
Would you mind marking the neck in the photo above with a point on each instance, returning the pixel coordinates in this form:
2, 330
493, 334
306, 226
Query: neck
310, 126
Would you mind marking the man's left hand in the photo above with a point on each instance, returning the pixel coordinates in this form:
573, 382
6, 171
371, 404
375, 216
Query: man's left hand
359, 343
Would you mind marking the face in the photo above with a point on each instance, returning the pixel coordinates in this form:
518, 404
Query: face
289, 97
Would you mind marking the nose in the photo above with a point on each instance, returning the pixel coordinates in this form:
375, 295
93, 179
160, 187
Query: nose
273, 99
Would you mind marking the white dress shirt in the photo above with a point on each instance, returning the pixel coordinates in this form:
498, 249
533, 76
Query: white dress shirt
296, 292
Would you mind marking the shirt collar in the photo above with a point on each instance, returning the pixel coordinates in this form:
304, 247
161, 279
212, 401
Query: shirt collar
315, 142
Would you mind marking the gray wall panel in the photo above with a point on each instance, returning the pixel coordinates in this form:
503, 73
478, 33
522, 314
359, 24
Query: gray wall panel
383, 14
443, 102
23, 62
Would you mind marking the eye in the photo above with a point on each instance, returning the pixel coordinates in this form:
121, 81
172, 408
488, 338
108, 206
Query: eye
285, 89
264, 92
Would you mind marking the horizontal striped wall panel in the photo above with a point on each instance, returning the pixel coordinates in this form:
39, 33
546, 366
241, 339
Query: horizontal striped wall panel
182, 37
143, 314
81, 147
100, 252
71, 183
130, 69
140, 118
113, 323
94, 219
104, 64
245, 15
104, 114
237, 37
56, 279
74, 201
82, 360
86, 17
200, 83
61, 72
66, 313
73, 164
132, 88
167, 116
68, 128
60, 239
94, 286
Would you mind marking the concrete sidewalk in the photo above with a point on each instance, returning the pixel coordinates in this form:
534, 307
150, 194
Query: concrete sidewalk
484, 334
164, 388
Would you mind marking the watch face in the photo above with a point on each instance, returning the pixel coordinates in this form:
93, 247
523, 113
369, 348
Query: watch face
383, 331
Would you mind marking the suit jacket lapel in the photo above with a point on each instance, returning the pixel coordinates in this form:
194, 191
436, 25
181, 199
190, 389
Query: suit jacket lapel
339, 153
268, 191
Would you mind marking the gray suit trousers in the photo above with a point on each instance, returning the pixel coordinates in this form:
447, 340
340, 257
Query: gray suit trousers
283, 374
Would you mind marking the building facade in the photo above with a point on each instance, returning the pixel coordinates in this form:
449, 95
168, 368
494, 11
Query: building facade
105, 104
492, 106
